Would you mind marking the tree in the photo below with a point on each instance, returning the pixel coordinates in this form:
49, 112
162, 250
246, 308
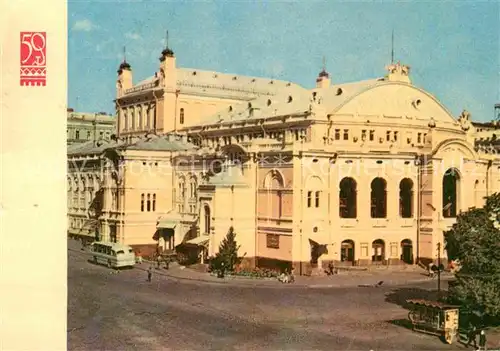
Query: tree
228, 253
474, 240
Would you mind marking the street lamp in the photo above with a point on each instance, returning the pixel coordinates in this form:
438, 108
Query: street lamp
439, 267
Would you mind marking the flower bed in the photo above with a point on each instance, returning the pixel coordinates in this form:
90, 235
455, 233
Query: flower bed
256, 273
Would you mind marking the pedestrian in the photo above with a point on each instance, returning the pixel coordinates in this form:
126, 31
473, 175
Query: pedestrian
222, 270
482, 341
431, 270
471, 337
158, 261
167, 263
150, 273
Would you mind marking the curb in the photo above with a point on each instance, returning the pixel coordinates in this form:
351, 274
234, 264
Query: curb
252, 282
258, 282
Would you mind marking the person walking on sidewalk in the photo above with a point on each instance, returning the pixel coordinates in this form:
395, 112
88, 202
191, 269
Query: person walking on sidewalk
482, 341
471, 337
150, 273
158, 261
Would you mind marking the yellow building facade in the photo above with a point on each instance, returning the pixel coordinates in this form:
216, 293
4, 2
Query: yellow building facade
362, 173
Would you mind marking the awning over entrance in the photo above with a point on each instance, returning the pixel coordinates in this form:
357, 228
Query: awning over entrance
201, 240
166, 223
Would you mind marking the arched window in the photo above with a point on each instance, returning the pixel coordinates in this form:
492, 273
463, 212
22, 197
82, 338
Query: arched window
142, 202
70, 195
148, 203
379, 198
451, 182
77, 134
407, 251
316, 198
207, 219
378, 247
192, 187
139, 116
274, 183
82, 193
347, 251
182, 188
181, 116
347, 198
406, 198
132, 120
154, 202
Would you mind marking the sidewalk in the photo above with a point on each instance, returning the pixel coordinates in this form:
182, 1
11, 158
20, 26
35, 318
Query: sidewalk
351, 279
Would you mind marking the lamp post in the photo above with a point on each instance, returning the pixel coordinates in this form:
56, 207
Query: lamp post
439, 267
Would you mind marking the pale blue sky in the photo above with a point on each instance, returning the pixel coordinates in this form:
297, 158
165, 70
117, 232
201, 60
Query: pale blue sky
453, 48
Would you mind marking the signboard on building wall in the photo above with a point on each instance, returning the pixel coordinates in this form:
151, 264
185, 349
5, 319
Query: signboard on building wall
273, 241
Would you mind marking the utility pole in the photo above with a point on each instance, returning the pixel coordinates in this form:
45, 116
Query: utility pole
439, 267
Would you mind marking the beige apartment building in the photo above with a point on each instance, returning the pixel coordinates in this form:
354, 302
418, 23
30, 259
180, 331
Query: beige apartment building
83, 127
360, 173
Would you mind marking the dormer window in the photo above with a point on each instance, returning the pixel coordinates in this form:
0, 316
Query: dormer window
230, 108
194, 73
290, 99
269, 102
253, 80
234, 78
339, 91
249, 105
271, 82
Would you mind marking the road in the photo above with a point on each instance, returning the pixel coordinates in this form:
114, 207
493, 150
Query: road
122, 311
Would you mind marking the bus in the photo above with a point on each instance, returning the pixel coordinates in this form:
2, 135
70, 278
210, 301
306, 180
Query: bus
113, 255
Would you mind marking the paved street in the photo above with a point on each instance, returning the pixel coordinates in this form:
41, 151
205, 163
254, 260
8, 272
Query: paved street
122, 311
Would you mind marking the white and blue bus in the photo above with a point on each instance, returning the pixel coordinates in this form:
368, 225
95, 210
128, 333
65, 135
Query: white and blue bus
113, 255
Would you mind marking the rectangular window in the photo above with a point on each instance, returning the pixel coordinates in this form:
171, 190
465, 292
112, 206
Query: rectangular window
364, 249
388, 135
346, 134
142, 202
337, 134
395, 136
77, 134
309, 198
419, 138
425, 138
363, 135
272, 241
394, 249
316, 198
372, 135
154, 202
148, 203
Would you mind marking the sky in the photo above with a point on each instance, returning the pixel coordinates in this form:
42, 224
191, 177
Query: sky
453, 48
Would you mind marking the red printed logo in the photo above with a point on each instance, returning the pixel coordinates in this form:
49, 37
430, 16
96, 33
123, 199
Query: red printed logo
33, 58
